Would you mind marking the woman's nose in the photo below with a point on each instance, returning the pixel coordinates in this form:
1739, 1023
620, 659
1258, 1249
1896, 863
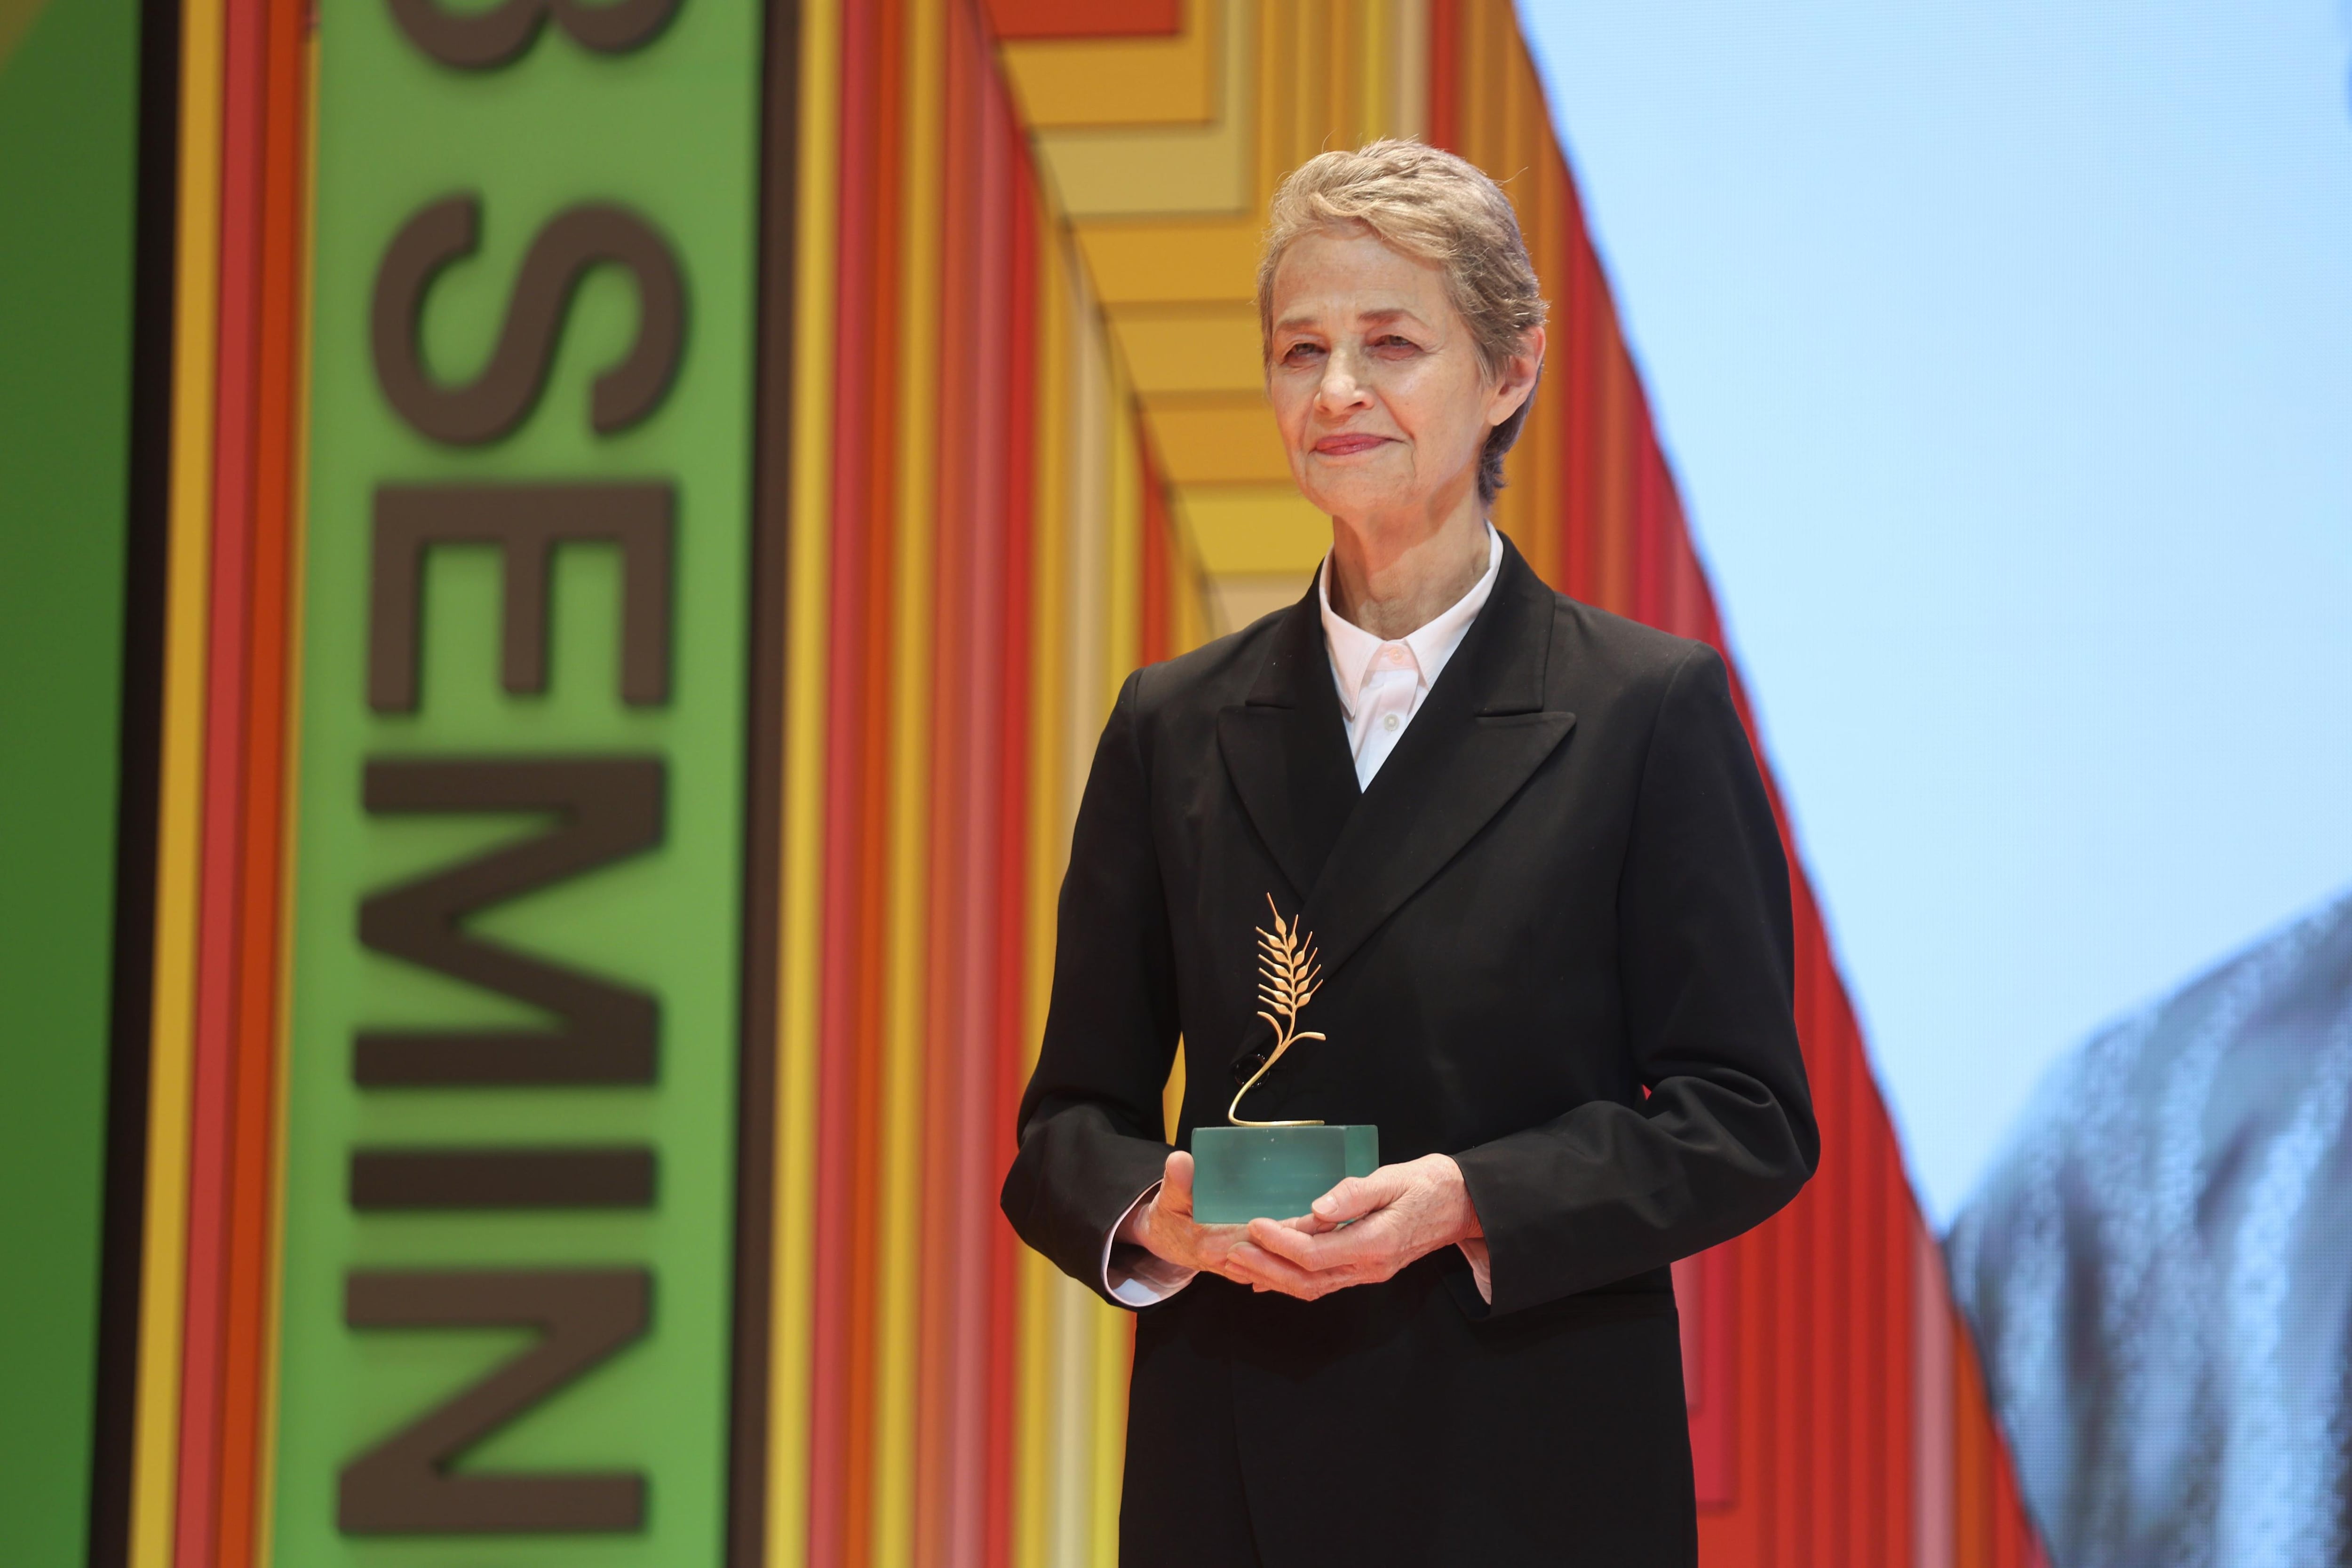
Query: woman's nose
1338, 389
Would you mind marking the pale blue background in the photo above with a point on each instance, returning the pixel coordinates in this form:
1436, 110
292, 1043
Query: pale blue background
2004, 353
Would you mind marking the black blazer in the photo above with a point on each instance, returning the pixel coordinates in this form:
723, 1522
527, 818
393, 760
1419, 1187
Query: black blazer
1563, 889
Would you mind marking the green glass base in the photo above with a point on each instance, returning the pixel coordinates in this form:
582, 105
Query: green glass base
1241, 1174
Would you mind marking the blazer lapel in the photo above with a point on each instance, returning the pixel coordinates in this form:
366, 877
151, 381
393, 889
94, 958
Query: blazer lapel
1481, 733
1286, 748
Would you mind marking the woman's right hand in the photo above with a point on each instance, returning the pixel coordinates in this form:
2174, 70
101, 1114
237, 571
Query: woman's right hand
1165, 1228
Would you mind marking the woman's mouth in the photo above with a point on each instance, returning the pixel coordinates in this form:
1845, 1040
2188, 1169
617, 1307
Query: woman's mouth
1348, 445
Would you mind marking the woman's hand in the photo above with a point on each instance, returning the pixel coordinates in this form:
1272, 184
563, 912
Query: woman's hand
1165, 1228
1402, 1212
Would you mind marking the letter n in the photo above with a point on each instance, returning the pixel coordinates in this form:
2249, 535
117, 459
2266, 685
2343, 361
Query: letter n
405, 1485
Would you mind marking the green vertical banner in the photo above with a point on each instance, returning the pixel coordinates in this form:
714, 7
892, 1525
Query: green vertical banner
68, 150
517, 907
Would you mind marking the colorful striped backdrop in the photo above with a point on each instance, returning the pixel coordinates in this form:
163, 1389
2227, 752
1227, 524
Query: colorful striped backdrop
1024, 449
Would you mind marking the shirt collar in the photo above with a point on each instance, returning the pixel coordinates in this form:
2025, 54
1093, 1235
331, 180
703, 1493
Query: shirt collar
1352, 649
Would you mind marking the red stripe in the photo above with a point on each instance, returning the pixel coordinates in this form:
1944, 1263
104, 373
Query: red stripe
212, 1090
1892, 1412
1026, 19
1580, 407
1831, 1062
976, 1185
1794, 1539
1152, 644
1444, 73
253, 1111
1762, 1440
252, 1047
1653, 504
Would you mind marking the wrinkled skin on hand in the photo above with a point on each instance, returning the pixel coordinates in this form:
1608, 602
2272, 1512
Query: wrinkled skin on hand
1361, 1232
1165, 1226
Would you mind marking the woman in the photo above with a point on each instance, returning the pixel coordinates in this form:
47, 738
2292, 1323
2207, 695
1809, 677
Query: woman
1531, 843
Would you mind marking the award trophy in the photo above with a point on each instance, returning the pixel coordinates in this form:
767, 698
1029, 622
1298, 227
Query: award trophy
1275, 1170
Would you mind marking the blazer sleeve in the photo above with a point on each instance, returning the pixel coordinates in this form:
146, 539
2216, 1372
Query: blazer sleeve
1706, 963
1090, 1126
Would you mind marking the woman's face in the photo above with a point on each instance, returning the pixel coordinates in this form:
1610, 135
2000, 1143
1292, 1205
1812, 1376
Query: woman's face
1375, 380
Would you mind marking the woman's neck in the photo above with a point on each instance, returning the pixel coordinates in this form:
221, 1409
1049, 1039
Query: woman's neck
1393, 576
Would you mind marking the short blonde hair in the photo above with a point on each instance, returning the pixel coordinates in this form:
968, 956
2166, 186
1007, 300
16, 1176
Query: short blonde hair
1435, 207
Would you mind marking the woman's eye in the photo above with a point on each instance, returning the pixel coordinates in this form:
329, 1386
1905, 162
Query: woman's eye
1300, 353
1393, 343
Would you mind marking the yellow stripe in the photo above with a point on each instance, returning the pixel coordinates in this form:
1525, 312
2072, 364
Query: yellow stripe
1123, 582
1078, 715
1070, 1538
1373, 23
1032, 1476
898, 1291
1092, 436
1409, 55
1272, 121
1109, 1329
811, 472
1114, 1337
155, 1449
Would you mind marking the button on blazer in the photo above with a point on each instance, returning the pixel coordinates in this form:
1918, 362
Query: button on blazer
1556, 940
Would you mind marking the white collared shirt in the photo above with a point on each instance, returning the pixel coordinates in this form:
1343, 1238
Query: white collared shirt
1381, 686
1383, 683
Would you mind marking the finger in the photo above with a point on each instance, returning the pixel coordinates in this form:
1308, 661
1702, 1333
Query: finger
1279, 1274
1356, 1196
1369, 1246
1240, 1272
1306, 1225
1177, 1176
1294, 1245
1288, 1277
1271, 1270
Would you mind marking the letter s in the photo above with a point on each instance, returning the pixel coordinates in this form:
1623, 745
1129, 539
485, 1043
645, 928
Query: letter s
572, 242
483, 40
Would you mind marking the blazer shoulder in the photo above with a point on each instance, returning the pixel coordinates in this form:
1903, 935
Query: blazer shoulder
1216, 675
1617, 652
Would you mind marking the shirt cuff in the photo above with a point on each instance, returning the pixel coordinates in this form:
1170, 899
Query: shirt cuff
1134, 1276
1475, 1249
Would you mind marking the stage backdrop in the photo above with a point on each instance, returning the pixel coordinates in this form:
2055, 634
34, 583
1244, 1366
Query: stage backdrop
659, 497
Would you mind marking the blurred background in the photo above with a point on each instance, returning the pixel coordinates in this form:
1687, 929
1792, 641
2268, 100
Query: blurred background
559, 570
2001, 351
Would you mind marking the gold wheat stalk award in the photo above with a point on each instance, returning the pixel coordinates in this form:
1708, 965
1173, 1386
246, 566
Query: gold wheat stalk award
1275, 1170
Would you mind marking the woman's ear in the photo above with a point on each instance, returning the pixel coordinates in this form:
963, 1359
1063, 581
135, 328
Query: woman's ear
1517, 383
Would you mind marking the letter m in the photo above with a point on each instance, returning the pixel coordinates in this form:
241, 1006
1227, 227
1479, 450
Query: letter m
606, 808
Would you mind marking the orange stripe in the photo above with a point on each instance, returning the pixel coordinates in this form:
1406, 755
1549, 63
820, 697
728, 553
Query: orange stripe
879, 460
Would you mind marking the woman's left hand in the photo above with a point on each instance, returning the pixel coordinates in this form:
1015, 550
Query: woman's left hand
1401, 1212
